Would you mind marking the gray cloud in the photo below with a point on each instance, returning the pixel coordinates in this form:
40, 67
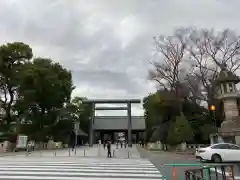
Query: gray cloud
107, 44
107, 79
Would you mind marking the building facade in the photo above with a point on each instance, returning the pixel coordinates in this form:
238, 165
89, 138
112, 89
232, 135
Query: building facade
114, 128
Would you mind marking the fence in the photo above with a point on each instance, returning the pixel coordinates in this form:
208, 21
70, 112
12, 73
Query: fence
211, 172
84, 151
206, 172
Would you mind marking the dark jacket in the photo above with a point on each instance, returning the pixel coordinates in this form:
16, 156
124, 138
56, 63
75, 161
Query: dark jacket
108, 146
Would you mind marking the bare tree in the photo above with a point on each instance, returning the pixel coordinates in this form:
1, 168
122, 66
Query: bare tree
209, 51
169, 69
195, 57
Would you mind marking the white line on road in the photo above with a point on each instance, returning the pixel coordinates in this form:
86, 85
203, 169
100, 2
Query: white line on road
77, 174
83, 167
76, 164
139, 170
61, 178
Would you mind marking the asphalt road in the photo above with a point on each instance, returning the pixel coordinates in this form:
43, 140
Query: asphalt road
163, 160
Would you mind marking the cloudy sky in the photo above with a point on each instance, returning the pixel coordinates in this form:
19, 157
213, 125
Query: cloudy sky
108, 43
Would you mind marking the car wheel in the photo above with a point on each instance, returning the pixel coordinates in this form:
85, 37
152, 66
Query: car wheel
216, 158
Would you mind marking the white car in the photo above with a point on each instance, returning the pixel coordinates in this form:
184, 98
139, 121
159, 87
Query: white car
221, 152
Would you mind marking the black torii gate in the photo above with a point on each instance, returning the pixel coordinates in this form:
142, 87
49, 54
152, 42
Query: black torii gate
129, 102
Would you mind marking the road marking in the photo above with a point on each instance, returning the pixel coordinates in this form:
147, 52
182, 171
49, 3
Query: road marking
73, 169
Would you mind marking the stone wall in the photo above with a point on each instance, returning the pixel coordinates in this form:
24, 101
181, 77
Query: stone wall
7, 146
181, 147
230, 108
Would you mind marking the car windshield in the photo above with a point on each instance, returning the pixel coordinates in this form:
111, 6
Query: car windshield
225, 146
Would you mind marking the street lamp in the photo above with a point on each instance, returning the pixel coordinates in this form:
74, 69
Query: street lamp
213, 109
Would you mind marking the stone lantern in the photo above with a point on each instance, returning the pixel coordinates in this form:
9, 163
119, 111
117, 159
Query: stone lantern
227, 93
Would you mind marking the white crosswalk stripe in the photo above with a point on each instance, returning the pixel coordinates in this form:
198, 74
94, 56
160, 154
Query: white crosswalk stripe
72, 168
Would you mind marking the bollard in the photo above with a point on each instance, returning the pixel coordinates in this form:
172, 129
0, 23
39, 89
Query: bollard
174, 174
55, 153
69, 152
84, 152
113, 153
128, 154
75, 152
99, 152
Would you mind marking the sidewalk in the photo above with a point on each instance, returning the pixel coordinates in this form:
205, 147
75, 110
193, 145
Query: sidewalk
21, 153
83, 151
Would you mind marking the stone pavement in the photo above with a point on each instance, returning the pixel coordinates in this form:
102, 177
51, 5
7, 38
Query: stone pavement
85, 151
63, 167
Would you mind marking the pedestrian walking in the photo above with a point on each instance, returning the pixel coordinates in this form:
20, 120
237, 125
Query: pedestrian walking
109, 154
29, 147
72, 138
73, 146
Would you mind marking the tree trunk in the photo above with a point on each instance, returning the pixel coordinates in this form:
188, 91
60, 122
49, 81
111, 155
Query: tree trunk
9, 105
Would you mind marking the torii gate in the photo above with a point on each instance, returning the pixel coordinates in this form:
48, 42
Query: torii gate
129, 102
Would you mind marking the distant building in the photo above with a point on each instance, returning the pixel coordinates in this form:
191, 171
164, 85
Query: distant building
109, 127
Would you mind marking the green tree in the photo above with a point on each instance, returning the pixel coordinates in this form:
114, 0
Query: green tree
195, 57
180, 131
206, 130
12, 57
160, 108
44, 88
82, 111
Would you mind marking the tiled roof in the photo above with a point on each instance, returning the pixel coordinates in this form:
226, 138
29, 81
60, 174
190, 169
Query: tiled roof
118, 123
81, 133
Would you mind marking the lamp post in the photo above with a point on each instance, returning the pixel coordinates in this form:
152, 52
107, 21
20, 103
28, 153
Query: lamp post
213, 109
76, 129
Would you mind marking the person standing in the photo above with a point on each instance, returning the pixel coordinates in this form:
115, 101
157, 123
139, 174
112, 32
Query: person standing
104, 144
72, 140
109, 154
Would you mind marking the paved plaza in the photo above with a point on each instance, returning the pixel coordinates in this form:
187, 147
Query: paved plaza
85, 151
64, 167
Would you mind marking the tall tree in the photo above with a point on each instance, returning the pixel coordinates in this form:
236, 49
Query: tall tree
159, 108
169, 70
12, 57
194, 57
203, 53
168, 65
44, 89
180, 131
210, 51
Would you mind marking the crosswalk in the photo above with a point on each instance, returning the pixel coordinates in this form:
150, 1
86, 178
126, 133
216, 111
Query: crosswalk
73, 168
